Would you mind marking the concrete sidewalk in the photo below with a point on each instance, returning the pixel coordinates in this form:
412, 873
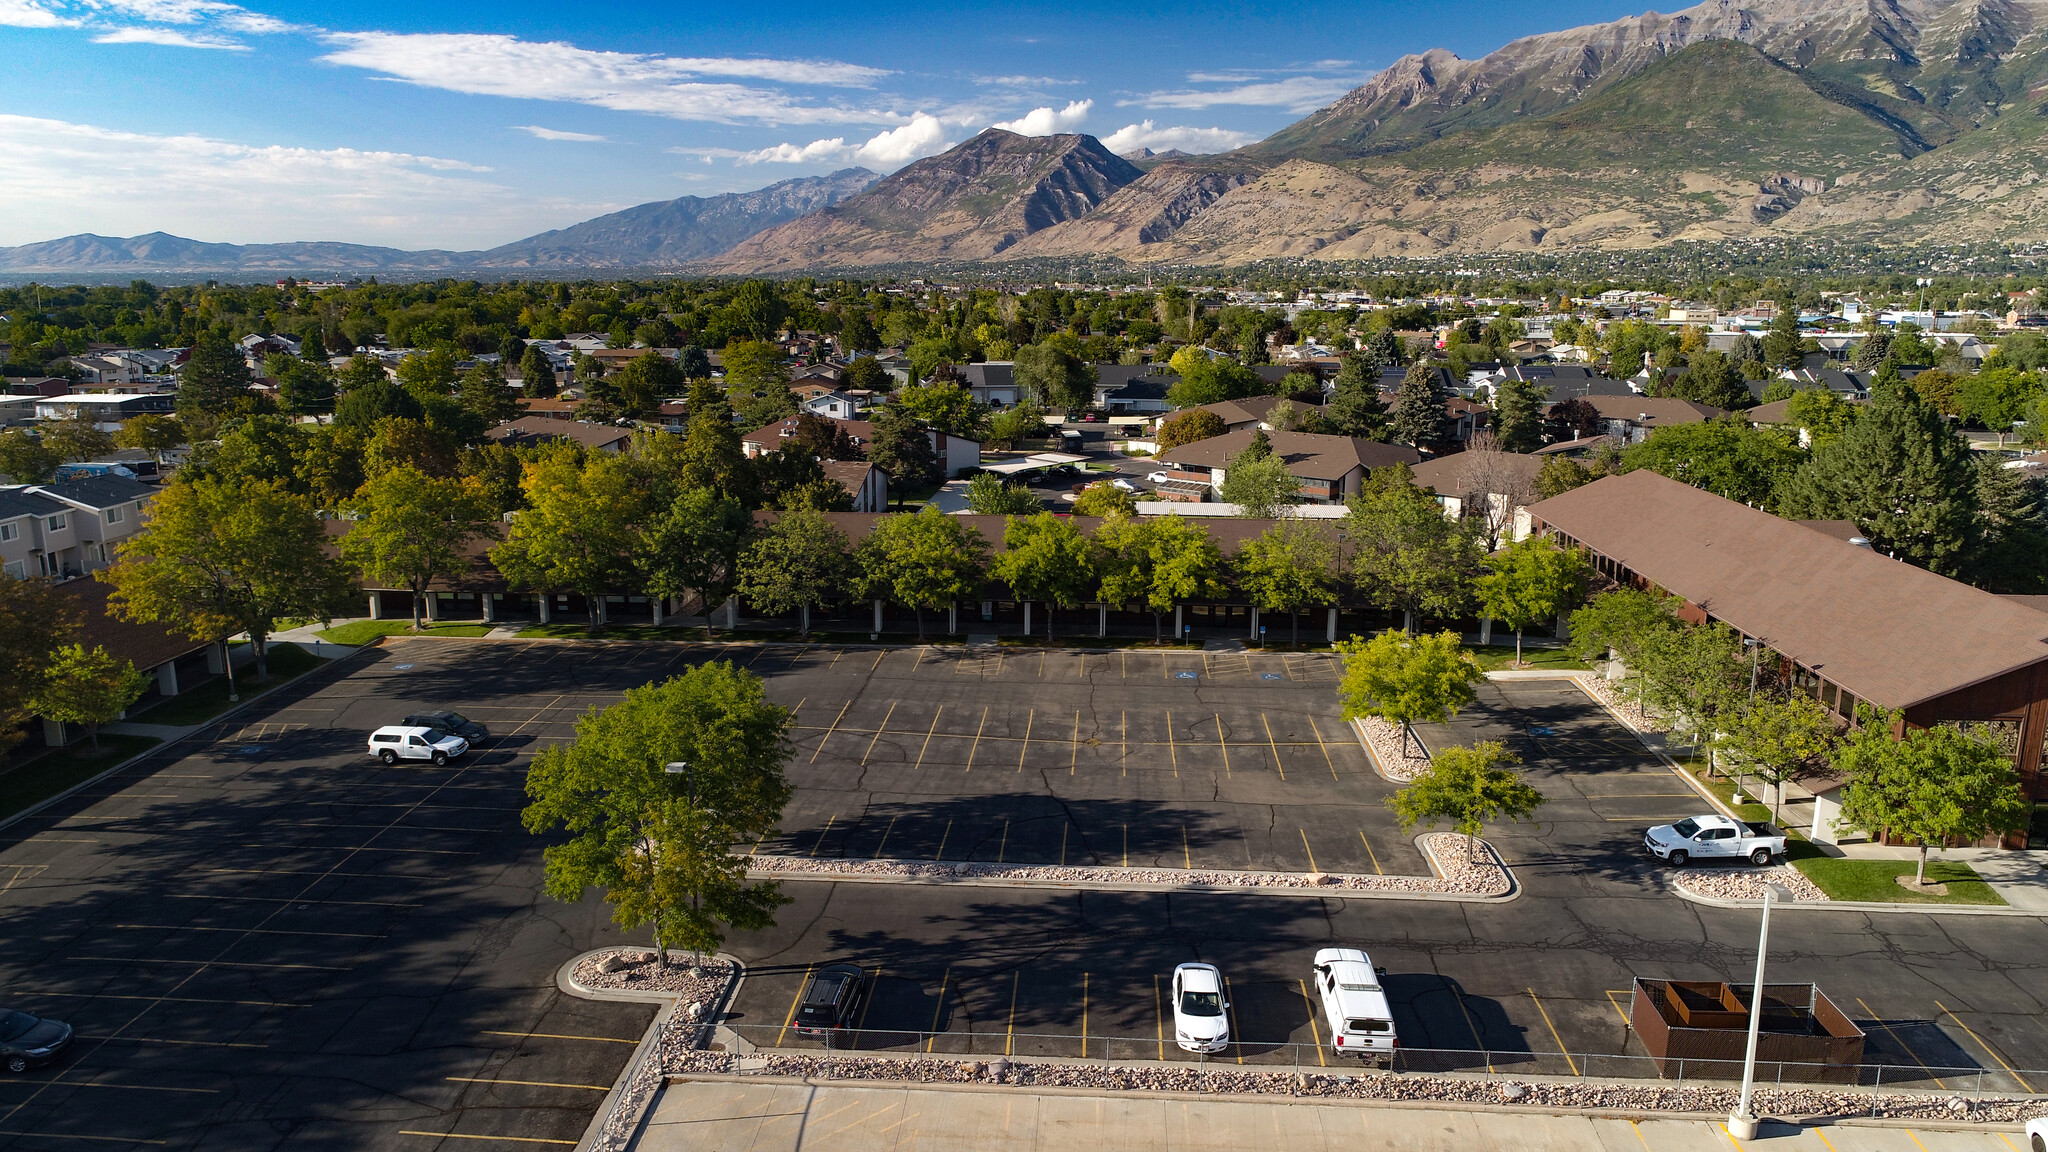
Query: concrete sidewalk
740, 1114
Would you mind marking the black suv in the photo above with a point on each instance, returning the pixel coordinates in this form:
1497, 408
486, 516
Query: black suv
454, 723
830, 999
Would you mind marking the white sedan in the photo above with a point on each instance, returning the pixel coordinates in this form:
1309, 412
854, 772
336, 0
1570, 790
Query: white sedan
1122, 485
1159, 477
1199, 1022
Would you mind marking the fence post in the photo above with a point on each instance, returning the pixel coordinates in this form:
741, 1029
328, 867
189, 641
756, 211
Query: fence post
1875, 1086
1681, 1073
1980, 1083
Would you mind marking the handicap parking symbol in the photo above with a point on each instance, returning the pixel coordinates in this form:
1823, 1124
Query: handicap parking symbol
401, 667
1186, 675
1269, 675
1542, 731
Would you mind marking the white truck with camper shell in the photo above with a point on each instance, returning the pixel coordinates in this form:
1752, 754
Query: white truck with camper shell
1715, 838
1355, 1005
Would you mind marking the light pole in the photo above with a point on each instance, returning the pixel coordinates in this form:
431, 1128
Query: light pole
1741, 1122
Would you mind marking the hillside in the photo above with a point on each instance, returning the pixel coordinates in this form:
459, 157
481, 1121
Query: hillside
971, 202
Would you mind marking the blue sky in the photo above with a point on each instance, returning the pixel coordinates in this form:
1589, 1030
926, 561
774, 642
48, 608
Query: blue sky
469, 125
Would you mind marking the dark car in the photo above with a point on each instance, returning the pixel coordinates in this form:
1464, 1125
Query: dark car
830, 999
453, 723
29, 1041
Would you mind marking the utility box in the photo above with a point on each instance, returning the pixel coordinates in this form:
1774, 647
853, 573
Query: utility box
1698, 1028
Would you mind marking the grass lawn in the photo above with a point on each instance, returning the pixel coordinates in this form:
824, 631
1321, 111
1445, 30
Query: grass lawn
1874, 881
577, 631
1501, 657
1100, 466
54, 771
287, 662
364, 631
1722, 788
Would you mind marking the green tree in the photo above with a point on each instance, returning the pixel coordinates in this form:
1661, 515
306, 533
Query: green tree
486, 396
221, 557
1726, 456
800, 562
1055, 377
87, 687
1778, 738
1407, 555
1929, 785
215, 381
1530, 581
1290, 567
1355, 407
1902, 474
536, 374
990, 495
926, 560
757, 383
902, 447
695, 546
414, 529
1160, 561
150, 433
660, 843
1518, 416
948, 407
2011, 551
712, 454
1467, 788
1697, 674
1103, 498
1020, 422
1188, 427
34, 623
581, 528
306, 388
25, 459
1420, 417
1402, 679
1873, 349
1561, 474
1782, 344
1260, 485
76, 437
1823, 414
1045, 558
1712, 378
645, 381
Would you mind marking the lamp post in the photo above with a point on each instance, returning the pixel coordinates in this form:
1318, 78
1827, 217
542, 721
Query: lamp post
1741, 1122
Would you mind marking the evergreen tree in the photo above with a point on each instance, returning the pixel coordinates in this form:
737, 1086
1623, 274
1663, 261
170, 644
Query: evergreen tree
1419, 414
306, 388
484, 394
511, 350
2011, 555
1902, 474
902, 448
1518, 416
215, 382
1873, 350
1356, 409
537, 376
1387, 346
1711, 378
1781, 344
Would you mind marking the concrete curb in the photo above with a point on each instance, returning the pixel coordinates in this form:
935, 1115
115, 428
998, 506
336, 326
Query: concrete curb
167, 745
1925, 1125
1513, 892
1692, 782
650, 1044
1862, 906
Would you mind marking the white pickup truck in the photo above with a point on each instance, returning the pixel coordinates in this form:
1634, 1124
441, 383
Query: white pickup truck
1715, 838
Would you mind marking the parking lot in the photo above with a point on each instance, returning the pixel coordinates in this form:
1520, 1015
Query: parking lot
268, 940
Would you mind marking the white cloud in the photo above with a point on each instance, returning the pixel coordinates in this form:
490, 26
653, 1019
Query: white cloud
558, 134
497, 65
1296, 94
193, 185
1046, 122
923, 136
1146, 134
1022, 81
167, 37
30, 14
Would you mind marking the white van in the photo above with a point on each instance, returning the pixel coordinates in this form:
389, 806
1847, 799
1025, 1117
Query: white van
395, 742
1354, 1004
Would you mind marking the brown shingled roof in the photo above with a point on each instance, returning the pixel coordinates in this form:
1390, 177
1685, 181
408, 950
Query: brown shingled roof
1890, 633
1307, 454
143, 645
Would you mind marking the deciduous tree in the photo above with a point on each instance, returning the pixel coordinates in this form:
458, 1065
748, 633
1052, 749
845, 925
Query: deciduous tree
1290, 567
800, 562
1402, 679
1468, 788
87, 687
1160, 561
1260, 485
1776, 738
1531, 581
1407, 555
694, 545
926, 560
581, 529
1188, 427
1930, 785
413, 529
34, 623
990, 495
1045, 558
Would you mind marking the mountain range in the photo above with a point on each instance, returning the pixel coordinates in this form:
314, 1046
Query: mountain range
667, 232
1888, 121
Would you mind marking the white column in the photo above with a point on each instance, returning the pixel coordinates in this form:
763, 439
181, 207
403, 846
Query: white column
1485, 630
547, 607
376, 605
732, 613
878, 617
1102, 619
953, 618
490, 607
655, 602
806, 611
433, 606
1178, 631
1027, 618
167, 678
1255, 622
1332, 635
1564, 626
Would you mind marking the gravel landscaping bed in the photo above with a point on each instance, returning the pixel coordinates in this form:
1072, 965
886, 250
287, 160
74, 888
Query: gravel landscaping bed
1746, 883
1485, 877
697, 987
1384, 738
1609, 693
1791, 1102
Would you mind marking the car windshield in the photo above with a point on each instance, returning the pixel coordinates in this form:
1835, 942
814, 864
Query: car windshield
1686, 828
456, 719
14, 1024
1201, 1004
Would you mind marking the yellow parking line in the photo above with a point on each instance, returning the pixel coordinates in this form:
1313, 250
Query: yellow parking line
1230, 1005
1831, 1144
1473, 1027
878, 661
1187, 857
1158, 1016
1988, 1048
1639, 1135
828, 732
827, 832
530, 1083
1617, 1006
1327, 758
1084, 1015
1172, 748
1029, 719
976, 746
559, 1036
1004, 847
1074, 759
1127, 845
793, 1002
1123, 742
878, 732
1731, 1137
467, 1136
938, 1008
941, 855
1277, 766
1010, 1035
1311, 852
928, 737
873, 986
885, 836
1569, 1062
1900, 1041
1222, 745
1063, 844
1321, 1059
1369, 854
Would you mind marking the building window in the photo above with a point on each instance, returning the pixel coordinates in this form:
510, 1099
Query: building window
54, 523
115, 515
9, 532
